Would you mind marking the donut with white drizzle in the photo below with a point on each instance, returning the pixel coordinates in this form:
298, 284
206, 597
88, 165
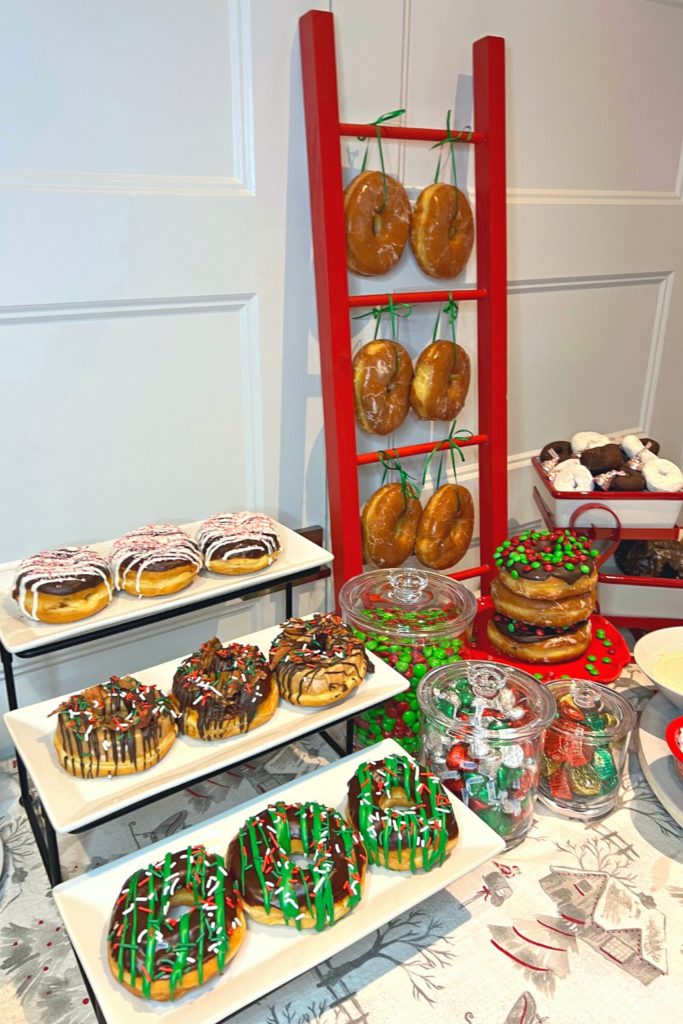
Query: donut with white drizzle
224, 689
63, 585
114, 728
402, 813
318, 661
233, 543
155, 560
157, 956
275, 889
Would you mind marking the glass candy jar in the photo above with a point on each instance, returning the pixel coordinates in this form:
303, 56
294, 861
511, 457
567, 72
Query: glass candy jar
482, 734
585, 749
414, 620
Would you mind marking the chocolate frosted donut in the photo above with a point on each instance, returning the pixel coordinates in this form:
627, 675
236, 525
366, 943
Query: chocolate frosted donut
234, 543
602, 459
660, 558
154, 560
652, 445
628, 480
562, 449
63, 585
224, 689
317, 661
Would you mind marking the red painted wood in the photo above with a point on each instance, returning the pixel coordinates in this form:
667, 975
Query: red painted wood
640, 581
468, 574
489, 118
382, 298
321, 105
387, 131
419, 449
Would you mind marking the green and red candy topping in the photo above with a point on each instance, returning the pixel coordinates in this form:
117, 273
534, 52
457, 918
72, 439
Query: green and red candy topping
426, 825
538, 554
260, 858
148, 943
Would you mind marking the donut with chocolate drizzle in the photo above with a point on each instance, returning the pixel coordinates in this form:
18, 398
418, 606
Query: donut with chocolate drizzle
402, 813
277, 890
158, 956
115, 728
233, 543
155, 560
224, 689
318, 661
63, 585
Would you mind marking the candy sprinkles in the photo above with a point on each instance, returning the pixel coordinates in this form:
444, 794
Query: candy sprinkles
155, 548
159, 956
402, 814
537, 554
276, 889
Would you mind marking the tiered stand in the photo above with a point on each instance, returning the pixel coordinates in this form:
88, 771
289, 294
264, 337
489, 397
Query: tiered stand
324, 132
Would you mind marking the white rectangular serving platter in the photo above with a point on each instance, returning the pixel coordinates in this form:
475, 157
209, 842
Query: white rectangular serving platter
269, 956
72, 803
19, 633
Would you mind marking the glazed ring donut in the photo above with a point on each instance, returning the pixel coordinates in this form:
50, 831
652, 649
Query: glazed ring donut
63, 585
540, 564
115, 728
538, 612
588, 439
402, 813
662, 475
382, 375
155, 560
376, 234
318, 661
389, 524
157, 956
442, 235
274, 888
441, 381
233, 543
445, 529
541, 645
573, 476
223, 690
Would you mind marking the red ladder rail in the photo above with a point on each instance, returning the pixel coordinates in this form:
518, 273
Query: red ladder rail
324, 132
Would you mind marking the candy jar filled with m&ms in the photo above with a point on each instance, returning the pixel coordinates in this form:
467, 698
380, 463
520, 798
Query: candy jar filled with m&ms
415, 621
482, 734
584, 749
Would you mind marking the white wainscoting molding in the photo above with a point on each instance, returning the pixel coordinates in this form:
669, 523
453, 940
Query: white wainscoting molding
241, 181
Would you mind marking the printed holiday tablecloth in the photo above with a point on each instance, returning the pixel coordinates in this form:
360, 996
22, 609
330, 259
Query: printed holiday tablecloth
579, 924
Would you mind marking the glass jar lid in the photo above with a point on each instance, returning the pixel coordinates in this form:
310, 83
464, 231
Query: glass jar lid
407, 604
477, 698
598, 711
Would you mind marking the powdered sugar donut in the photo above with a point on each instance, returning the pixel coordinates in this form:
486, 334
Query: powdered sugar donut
631, 445
662, 475
588, 439
572, 476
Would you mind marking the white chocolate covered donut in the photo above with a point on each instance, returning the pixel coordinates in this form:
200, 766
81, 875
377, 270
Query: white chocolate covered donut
572, 476
631, 445
662, 475
588, 439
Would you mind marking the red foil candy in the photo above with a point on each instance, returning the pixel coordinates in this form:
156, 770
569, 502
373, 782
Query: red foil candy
558, 784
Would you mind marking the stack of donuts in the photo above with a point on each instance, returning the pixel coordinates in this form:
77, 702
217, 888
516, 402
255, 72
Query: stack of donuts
591, 460
72, 583
397, 816
543, 596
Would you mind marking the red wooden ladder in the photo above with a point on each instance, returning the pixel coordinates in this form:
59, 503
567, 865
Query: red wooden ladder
324, 131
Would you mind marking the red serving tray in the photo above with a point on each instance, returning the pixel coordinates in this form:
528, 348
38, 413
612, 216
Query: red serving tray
479, 647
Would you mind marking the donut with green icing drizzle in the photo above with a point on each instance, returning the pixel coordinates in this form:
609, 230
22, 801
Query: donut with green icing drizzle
402, 813
224, 689
158, 956
318, 661
114, 728
276, 889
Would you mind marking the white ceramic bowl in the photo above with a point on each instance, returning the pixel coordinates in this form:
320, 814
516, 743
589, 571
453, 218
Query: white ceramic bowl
648, 653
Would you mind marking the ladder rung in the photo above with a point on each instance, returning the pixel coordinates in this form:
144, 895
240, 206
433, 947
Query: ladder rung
389, 131
420, 449
382, 298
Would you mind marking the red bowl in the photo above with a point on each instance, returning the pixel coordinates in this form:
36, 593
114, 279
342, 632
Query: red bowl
671, 730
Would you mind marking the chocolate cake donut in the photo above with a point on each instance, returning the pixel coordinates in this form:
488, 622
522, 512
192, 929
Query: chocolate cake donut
602, 459
562, 450
627, 480
233, 543
659, 558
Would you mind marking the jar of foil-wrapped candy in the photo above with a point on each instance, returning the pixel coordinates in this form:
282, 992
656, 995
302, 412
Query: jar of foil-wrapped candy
584, 749
481, 733
415, 621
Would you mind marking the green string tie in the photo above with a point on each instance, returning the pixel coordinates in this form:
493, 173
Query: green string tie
453, 447
362, 138
394, 309
391, 464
